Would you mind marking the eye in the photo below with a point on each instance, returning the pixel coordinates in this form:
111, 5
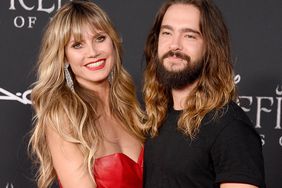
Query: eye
101, 38
190, 36
165, 33
76, 45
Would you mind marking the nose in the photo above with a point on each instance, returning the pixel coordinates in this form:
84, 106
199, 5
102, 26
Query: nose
92, 51
176, 43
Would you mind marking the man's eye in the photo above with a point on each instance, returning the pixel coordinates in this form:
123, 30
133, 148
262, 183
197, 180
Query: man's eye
165, 33
77, 45
101, 38
190, 36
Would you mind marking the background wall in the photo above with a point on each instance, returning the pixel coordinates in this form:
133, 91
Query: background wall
255, 27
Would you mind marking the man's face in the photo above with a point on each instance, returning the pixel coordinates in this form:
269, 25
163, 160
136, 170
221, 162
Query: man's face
181, 46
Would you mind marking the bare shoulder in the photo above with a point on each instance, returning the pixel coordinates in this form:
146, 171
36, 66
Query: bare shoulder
68, 160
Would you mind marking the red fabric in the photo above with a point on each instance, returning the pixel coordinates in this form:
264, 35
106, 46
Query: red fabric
118, 171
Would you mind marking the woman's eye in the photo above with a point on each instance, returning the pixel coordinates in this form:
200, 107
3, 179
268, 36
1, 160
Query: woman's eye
100, 38
77, 45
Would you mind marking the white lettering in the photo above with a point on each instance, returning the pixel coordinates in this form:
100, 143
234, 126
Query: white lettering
278, 92
280, 141
279, 104
9, 185
31, 21
39, 6
48, 10
278, 118
25, 96
19, 21
59, 4
22, 98
12, 5
237, 79
262, 109
250, 99
262, 136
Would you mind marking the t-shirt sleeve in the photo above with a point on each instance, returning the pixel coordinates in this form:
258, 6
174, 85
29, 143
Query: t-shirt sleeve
237, 155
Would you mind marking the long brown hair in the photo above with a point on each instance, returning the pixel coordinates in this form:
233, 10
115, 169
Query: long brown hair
215, 86
57, 106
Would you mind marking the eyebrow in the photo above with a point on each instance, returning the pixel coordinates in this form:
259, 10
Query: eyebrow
96, 34
99, 33
184, 30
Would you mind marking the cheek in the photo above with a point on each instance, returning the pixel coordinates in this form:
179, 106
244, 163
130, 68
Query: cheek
74, 58
163, 46
201, 49
107, 48
69, 56
71, 60
161, 50
197, 51
201, 53
112, 55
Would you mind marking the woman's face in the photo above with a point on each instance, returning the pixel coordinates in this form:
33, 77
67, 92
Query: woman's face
92, 58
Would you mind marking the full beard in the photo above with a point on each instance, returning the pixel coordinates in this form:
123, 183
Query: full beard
180, 78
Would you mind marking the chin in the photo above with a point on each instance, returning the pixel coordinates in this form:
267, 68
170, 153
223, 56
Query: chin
175, 70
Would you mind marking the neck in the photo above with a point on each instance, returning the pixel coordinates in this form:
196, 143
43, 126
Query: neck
180, 95
102, 90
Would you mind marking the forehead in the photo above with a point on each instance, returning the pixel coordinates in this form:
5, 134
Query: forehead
182, 16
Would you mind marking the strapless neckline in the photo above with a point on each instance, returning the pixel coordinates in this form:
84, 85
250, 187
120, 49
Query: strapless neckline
120, 154
117, 170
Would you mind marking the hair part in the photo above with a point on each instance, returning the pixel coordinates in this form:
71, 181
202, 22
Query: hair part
215, 86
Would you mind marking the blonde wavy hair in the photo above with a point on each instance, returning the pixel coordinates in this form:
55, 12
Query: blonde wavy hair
54, 102
215, 87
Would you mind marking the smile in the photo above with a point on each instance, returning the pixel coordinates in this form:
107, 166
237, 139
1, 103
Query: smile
96, 65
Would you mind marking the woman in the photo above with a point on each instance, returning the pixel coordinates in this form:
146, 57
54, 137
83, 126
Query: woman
87, 131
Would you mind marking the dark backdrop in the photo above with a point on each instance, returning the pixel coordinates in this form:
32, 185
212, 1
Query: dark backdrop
255, 27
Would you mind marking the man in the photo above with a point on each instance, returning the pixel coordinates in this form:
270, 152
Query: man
199, 138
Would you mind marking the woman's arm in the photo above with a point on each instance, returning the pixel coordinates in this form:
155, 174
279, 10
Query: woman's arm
68, 162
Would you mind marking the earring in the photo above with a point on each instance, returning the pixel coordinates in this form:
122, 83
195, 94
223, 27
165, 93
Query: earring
111, 77
68, 77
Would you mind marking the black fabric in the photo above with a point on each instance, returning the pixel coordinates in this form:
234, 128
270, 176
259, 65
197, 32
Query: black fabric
226, 149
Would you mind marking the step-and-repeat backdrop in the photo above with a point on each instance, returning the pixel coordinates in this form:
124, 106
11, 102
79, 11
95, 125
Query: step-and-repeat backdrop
256, 36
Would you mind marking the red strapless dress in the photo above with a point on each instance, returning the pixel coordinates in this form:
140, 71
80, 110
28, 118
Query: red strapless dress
118, 171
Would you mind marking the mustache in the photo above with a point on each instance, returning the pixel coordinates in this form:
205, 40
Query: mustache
176, 54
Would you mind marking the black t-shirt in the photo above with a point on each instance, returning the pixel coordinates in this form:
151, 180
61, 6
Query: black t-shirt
226, 149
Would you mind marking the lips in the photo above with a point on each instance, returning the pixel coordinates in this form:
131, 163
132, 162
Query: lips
175, 55
97, 65
175, 58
